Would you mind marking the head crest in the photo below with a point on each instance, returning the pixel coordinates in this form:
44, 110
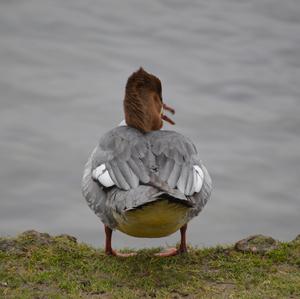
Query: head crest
140, 87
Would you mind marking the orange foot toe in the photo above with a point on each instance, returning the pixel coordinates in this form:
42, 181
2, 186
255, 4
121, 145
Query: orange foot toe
171, 252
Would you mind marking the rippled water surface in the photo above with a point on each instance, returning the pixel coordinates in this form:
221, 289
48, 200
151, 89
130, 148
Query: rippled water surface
230, 68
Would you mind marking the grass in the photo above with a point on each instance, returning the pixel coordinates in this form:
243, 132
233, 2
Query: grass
41, 266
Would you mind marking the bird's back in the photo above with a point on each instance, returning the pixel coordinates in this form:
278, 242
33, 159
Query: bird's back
155, 182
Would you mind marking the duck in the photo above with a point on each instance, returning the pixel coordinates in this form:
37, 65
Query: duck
142, 180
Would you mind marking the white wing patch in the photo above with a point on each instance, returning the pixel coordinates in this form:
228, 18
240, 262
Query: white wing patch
198, 178
101, 174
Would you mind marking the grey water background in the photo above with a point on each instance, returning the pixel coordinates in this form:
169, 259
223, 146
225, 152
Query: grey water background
231, 69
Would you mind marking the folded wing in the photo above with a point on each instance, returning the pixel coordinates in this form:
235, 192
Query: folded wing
177, 161
121, 160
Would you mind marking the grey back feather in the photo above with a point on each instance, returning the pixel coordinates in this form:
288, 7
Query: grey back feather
175, 154
124, 150
94, 194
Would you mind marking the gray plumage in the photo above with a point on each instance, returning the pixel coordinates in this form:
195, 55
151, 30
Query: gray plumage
144, 167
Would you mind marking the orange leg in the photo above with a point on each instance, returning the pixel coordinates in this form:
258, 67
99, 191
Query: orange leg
108, 248
182, 248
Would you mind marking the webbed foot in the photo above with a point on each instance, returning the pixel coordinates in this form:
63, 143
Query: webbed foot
171, 252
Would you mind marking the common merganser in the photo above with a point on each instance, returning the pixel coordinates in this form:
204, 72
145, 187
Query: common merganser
141, 180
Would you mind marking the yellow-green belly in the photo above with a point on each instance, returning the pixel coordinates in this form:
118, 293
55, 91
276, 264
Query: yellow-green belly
158, 219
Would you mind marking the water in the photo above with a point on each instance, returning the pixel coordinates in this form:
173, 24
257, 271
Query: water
231, 69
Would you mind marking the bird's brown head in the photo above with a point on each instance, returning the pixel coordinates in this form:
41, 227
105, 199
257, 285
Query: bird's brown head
143, 103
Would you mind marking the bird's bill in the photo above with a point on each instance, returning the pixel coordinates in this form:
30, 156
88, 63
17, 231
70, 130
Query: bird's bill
168, 108
164, 117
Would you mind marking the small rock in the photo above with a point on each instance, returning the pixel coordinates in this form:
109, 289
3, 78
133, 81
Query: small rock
37, 237
11, 246
256, 244
7, 245
35, 234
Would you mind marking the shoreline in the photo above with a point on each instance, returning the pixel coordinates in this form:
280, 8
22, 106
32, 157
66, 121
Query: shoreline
37, 265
